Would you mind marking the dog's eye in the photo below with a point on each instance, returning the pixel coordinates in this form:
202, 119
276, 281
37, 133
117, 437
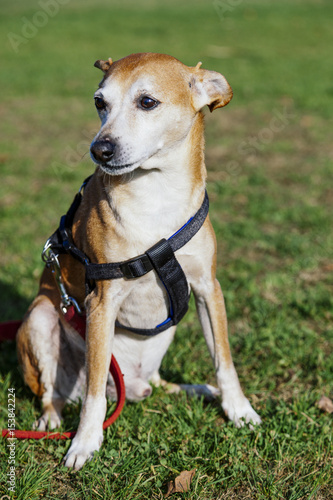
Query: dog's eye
99, 103
147, 102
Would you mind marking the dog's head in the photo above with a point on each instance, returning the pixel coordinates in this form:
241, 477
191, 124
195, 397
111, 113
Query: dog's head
147, 104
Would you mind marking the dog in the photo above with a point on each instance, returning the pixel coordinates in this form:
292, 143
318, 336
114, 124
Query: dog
149, 181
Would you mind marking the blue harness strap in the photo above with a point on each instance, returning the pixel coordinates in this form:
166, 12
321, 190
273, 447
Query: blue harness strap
174, 281
160, 258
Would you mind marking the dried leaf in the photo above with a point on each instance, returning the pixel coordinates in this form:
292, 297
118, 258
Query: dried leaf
182, 482
325, 404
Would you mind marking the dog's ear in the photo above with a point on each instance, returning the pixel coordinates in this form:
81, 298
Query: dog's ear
103, 65
209, 87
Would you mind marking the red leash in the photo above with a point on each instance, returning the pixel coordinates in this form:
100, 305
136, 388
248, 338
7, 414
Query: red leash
8, 332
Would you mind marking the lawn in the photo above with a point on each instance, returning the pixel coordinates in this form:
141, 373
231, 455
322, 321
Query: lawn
270, 181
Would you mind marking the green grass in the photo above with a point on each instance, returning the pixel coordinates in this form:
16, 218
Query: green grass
269, 156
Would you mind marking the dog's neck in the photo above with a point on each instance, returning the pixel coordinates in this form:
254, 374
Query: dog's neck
160, 200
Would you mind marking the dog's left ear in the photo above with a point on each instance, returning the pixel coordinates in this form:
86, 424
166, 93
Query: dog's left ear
209, 87
103, 65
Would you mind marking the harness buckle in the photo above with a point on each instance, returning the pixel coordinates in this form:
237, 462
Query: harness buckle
134, 268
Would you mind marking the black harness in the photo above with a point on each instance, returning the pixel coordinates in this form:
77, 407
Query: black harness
160, 257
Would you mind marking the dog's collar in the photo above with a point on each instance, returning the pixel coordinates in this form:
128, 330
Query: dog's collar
159, 257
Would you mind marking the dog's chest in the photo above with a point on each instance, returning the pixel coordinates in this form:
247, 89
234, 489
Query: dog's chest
147, 304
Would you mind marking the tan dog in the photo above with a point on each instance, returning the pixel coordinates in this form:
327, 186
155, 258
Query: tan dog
149, 181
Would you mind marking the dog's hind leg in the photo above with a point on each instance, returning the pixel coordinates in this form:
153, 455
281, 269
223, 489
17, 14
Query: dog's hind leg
41, 343
37, 348
209, 392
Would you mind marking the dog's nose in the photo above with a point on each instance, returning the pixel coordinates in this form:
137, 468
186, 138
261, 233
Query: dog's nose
103, 150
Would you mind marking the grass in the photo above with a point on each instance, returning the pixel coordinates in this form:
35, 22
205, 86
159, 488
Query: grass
269, 157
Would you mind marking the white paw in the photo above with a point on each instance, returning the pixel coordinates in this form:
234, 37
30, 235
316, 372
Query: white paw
47, 421
81, 451
241, 412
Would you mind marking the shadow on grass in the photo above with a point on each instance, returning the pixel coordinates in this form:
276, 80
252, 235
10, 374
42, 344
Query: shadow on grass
12, 304
12, 307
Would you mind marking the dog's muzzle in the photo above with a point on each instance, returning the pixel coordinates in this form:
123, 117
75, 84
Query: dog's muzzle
102, 151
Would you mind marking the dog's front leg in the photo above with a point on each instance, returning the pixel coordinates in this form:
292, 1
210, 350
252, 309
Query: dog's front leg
102, 307
212, 314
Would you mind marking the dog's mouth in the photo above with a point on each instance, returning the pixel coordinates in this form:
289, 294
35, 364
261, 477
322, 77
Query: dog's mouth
117, 169
112, 166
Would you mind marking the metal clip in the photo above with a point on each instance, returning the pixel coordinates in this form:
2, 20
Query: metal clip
46, 252
51, 260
